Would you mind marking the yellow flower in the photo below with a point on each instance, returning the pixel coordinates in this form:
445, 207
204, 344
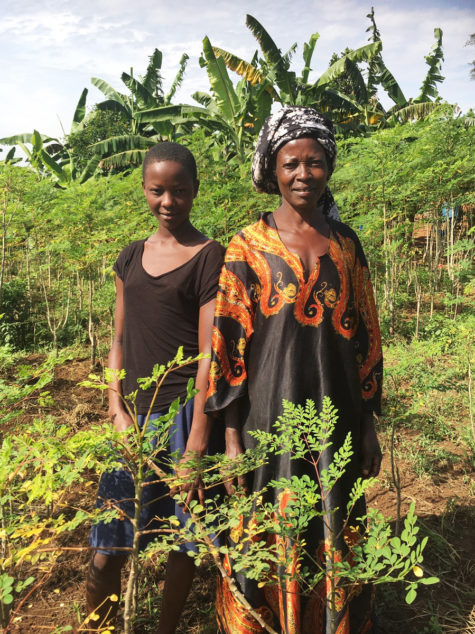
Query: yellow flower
417, 570
113, 597
94, 616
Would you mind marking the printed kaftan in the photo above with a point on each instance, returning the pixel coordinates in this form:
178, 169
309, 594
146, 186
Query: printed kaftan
280, 334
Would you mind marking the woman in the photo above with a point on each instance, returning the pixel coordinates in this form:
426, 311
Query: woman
295, 319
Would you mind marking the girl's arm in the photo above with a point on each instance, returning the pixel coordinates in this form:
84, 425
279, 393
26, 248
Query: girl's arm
201, 424
117, 413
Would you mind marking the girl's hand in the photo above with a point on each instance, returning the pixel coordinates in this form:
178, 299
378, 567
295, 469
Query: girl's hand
370, 451
233, 449
121, 420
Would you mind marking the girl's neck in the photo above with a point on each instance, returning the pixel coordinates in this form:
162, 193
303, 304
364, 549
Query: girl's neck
183, 234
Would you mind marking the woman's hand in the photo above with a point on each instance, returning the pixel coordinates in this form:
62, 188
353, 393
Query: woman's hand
121, 420
192, 487
233, 450
370, 451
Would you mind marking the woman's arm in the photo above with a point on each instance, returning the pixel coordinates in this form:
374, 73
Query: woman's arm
233, 444
371, 369
117, 413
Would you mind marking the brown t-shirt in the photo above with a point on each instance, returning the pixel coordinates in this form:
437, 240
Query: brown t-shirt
160, 314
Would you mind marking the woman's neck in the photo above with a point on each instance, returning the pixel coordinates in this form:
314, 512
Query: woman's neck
292, 219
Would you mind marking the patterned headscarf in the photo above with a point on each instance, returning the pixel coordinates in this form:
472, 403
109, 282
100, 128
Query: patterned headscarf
292, 122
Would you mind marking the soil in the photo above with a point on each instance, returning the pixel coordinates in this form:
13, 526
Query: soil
443, 505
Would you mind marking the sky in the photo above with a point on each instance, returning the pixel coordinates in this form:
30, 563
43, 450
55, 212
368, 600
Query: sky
52, 48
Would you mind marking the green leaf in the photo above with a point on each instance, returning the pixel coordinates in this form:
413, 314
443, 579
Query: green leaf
80, 111
152, 81
284, 79
107, 90
36, 141
337, 69
411, 595
428, 581
308, 49
123, 143
90, 168
140, 93
226, 98
53, 166
178, 79
389, 83
434, 60
18, 139
250, 73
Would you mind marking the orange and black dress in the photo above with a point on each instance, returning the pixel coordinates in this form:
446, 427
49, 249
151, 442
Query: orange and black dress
282, 334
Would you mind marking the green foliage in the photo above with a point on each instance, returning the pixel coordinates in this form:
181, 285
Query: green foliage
98, 126
391, 185
146, 97
376, 556
35, 478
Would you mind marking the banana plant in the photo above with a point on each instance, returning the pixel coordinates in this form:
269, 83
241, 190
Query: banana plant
423, 105
51, 158
434, 60
10, 158
406, 109
146, 94
232, 115
273, 71
354, 102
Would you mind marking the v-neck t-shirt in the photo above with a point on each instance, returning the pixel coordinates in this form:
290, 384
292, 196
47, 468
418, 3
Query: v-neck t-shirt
161, 313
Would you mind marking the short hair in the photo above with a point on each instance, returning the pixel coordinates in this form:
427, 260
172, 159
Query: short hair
169, 151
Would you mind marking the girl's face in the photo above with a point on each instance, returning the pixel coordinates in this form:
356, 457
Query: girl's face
169, 189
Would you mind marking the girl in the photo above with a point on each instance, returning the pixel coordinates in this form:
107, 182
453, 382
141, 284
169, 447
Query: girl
165, 297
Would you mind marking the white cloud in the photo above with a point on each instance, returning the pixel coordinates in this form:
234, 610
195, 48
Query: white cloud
54, 48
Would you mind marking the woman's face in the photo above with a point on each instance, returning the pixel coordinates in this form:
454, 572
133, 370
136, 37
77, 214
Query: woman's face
302, 172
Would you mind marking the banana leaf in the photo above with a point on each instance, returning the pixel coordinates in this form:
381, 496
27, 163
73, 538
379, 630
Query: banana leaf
80, 112
250, 73
90, 168
285, 80
122, 142
142, 96
153, 79
434, 60
308, 49
107, 90
222, 87
364, 53
178, 79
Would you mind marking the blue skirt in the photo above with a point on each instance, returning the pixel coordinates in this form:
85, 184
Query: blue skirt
156, 502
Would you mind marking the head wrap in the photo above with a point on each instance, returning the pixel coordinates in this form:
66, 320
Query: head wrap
292, 122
